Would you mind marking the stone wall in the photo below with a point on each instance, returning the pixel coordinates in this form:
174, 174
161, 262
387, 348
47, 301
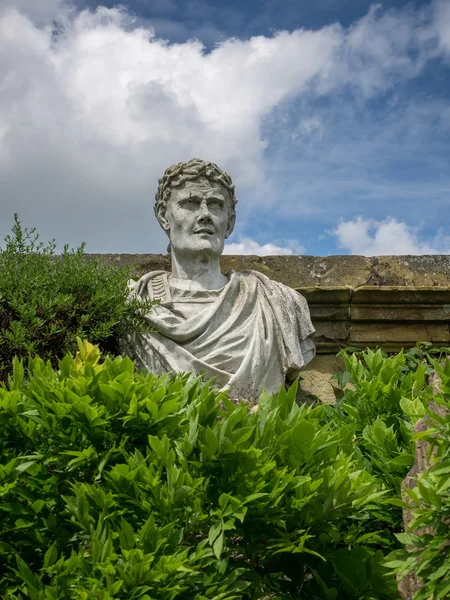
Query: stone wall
388, 301
318, 271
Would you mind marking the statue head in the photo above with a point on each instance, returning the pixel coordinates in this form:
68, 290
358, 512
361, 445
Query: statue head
195, 205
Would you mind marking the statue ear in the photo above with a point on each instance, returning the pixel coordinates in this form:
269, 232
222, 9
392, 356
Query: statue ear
231, 224
161, 210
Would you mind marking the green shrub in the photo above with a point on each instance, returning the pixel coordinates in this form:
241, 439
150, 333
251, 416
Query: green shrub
47, 300
117, 484
386, 396
425, 354
374, 387
427, 553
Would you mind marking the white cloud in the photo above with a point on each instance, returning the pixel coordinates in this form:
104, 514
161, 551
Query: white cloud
248, 246
91, 117
91, 114
369, 237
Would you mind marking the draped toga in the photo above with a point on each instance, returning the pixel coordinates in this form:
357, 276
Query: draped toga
248, 335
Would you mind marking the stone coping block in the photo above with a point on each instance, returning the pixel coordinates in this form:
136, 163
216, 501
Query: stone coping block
400, 294
400, 335
312, 271
392, 317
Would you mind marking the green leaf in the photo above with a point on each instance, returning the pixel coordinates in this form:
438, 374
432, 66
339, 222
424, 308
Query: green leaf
214, 531
51, 556
218, 545
25, 466
38, 505
126, 535
32, 581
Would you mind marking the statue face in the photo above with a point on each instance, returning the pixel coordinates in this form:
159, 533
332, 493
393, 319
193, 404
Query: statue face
198, 218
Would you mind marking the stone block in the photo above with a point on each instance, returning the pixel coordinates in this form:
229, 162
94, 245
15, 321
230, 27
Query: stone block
399, 294
399, 312
327, 303
330, 312
399, 334
397, 303
305, 271
326, 294
317, 378
330, 336
431, 270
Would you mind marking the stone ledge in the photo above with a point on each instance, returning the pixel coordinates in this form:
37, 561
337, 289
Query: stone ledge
313, 271
393, 317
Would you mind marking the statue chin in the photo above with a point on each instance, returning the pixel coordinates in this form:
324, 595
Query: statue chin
198, 246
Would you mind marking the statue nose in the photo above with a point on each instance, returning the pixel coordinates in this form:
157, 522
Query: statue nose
205, 218
204, 214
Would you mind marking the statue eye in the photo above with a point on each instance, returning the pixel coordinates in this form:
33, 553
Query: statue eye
191, 204
215, 204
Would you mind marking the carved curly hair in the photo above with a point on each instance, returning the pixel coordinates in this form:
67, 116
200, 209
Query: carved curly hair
193, 169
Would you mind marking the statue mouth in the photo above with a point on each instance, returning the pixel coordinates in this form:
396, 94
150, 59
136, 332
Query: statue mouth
204, 230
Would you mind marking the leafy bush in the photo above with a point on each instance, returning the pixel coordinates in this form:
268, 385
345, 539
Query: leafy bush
427, 551
117, 484
47, 300
425, 354
386, 396
372, 402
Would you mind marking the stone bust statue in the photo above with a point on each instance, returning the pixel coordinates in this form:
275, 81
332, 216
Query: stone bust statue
244, 330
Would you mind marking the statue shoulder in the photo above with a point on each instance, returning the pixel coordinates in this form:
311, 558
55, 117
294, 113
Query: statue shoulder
286, 302
271, 284
151, 286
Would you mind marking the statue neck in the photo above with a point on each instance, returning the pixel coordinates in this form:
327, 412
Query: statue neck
204, 272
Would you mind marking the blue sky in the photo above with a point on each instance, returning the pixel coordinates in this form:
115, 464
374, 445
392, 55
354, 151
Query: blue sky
332, 117
213, 21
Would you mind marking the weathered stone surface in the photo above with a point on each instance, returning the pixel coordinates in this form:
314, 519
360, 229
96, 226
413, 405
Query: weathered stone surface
395, 312
330, 312
402, 334
402, 295
429, 270
399, 303
327, 303
330, 336
317, 378
311, 271
306, 271
139, 263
